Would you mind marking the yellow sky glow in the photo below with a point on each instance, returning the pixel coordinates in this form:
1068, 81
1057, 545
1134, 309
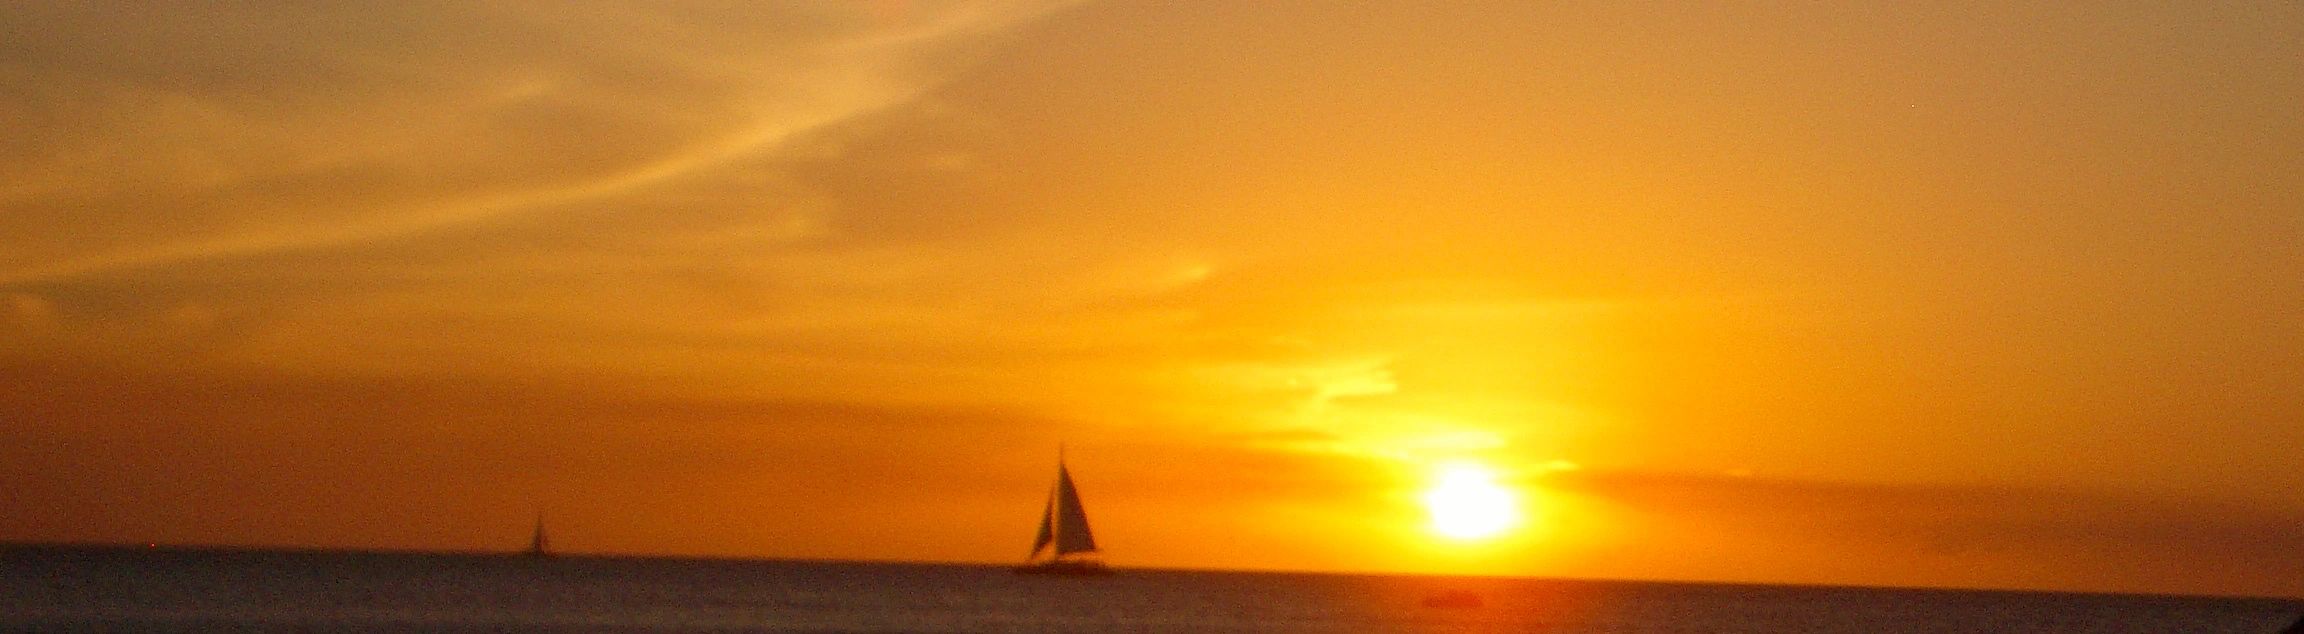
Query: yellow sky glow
1980, 294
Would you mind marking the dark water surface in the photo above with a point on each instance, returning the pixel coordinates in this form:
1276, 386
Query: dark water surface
100, 589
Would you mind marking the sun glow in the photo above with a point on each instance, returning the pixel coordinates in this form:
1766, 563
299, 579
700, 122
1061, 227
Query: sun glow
1467, 503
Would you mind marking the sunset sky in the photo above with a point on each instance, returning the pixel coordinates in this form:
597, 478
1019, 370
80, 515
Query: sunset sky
2003, 293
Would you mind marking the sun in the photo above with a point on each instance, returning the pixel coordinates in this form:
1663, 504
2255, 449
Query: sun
1466, 502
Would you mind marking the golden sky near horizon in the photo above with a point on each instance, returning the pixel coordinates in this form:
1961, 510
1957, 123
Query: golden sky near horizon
1991, 294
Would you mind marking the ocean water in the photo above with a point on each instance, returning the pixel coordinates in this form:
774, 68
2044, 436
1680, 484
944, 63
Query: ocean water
125, 589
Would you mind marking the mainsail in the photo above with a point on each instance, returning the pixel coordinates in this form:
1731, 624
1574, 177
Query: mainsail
1063, 522
1072, 534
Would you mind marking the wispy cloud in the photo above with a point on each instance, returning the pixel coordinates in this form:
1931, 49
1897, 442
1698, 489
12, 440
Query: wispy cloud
1329, 242
248, 129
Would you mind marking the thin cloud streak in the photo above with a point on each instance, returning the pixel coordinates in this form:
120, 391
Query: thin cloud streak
865, 73
1323, 245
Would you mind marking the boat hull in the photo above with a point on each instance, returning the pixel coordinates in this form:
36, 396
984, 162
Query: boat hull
1065, 568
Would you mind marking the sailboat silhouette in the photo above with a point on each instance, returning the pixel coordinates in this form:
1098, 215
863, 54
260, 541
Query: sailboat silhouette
537, 545
1063, 525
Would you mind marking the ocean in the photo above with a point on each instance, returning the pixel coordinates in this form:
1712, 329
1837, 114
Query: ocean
141, 590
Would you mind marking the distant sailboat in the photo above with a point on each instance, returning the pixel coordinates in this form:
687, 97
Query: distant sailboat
1063, 525
537, 545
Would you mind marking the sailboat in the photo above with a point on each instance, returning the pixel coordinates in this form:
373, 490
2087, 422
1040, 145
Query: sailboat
537, 546
1063, 534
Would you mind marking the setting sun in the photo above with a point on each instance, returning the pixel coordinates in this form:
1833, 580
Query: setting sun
1980, 294
1467, 503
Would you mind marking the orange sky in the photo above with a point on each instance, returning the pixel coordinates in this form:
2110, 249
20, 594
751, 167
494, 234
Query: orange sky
1993, 294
